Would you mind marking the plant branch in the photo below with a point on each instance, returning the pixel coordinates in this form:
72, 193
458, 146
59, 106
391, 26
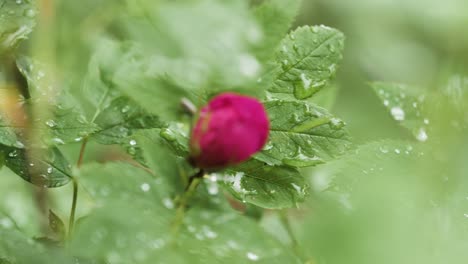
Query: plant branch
71, 223
82, 150
287, 226
192, 185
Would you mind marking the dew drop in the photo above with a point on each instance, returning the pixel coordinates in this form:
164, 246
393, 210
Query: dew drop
40, 75
168, 203
145, 187
18, 144
383, 150
422, 135
252, 256
306, 82
268, 146
58, 141
125, 109
30, 13
6, 223
51, 123
398, 113
248, 65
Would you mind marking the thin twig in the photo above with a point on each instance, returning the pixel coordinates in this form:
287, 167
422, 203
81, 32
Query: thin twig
82, 150
198, 175
287, 226
73, 207
194, 181
75, 189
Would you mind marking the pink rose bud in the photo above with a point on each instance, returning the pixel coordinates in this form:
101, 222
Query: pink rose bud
229, 130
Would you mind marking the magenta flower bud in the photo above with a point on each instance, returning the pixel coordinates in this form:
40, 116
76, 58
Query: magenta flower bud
229, 130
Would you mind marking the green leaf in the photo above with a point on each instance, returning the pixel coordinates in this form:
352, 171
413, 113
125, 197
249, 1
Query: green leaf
119, 120
231, 238
326, 98
57, 226
387, 158
212, 236
163, 161
309, 136
407, 105
266, 186
212, 50
2, 159
42, 167
12, 109
306, 61
132, 183
275, 17
64, 126
156, 94
8, 136
68, 125
456, 91
97, 91
14, 243
16, 22
176, 135
64, 123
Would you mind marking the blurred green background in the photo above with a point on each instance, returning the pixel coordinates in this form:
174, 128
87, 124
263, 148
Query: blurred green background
392, 199
394, 209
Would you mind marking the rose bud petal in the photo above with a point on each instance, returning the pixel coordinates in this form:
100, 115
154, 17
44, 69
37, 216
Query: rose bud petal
229, 130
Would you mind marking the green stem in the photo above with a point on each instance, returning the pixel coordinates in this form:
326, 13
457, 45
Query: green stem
73, 207
287, 226
82, 150
192, 185
71, 223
